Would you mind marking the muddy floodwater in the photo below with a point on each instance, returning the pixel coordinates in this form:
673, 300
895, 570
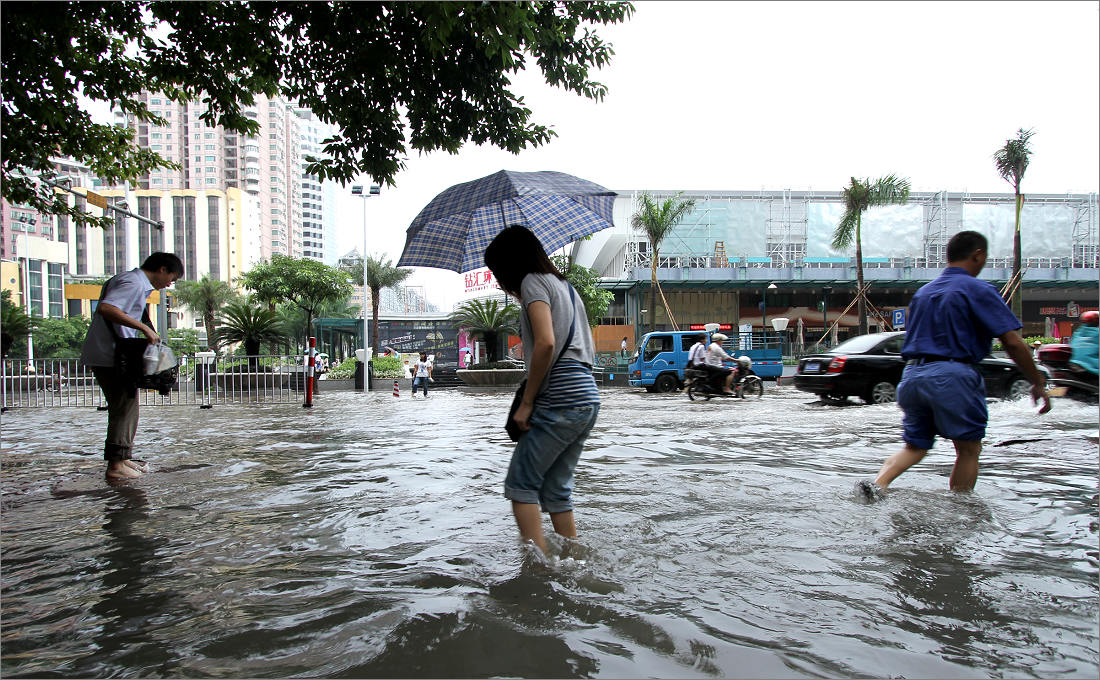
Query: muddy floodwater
368, 537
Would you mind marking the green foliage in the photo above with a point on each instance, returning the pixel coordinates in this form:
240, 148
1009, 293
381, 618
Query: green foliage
488, 319
345, 370
182, 341
1041, 338
858, 197
1011, 160
380, 274
387, 367
391, 77
14, 323
656, 220
205, 297
861, 195
251, 324
596, 300
307, 284
59, 338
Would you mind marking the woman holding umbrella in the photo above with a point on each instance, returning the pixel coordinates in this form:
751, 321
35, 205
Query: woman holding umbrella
560, 402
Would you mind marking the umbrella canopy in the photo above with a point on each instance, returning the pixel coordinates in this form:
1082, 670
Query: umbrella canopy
453, 230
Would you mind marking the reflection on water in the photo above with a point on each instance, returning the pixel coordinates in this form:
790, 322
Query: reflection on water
369, 538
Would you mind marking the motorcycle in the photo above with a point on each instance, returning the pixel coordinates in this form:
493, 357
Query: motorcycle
1067, 380
704, 385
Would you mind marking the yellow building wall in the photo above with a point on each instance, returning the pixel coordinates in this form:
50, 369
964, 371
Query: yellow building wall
86, 292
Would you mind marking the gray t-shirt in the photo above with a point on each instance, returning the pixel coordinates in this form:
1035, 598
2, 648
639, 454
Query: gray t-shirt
556, 293
129, 292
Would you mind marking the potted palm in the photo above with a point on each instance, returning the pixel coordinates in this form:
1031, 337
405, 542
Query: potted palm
252, 325
492, 321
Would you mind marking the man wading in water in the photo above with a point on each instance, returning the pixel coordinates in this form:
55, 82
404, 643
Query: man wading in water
122, 305
952, 322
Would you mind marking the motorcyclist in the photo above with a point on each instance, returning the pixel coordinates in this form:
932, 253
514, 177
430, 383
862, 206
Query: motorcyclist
1085, 344
713, 366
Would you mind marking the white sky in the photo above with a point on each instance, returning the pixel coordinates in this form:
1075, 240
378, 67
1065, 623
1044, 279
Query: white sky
795, 95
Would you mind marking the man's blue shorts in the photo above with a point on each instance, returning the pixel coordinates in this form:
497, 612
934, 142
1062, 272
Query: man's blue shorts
945, 398
542, 465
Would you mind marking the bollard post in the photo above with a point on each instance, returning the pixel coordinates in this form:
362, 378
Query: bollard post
309, 372
204, 366
396, 389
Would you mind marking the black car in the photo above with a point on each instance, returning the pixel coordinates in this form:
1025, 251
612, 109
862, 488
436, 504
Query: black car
869, 367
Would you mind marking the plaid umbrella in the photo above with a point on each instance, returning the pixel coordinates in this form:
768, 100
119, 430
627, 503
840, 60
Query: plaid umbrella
453, 230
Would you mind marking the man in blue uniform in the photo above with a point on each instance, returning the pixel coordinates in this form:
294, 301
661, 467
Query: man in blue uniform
952, 322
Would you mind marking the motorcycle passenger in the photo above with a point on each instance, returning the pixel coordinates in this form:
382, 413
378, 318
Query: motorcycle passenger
713, 366
698, 353
1085, 344
741, 369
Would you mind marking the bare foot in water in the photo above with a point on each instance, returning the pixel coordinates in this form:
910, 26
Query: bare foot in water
139, 465
120, 470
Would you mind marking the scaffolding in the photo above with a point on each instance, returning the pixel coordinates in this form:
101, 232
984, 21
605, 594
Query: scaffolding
1084, 235
785, 229
943, 218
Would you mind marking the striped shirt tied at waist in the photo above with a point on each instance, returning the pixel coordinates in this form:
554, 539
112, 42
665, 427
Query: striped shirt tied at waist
569, 384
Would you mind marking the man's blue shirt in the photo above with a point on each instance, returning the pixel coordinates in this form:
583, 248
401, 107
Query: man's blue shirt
956, 316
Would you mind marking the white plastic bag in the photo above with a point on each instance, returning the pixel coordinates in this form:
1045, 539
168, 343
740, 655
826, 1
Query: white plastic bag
159, 357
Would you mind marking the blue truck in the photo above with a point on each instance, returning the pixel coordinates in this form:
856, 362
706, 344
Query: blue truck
659, 362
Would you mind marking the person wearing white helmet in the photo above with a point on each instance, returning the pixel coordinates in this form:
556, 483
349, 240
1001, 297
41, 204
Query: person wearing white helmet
741, 368
714, 358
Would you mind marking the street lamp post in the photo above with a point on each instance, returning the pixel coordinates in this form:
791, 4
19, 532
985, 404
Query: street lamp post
357, 190
764, 306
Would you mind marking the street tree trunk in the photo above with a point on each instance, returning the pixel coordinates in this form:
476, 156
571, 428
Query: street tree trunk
1016, 302
653, 289
861, 300
374, 321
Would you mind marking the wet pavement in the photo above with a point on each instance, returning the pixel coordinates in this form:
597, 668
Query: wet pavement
368, 537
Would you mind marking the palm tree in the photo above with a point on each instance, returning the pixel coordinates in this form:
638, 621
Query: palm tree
380, 274
1011, 161
858, 197
487, 319
205, 297
656, 221
250, 323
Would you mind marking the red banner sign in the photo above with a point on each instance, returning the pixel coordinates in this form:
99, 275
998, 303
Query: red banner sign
481, 279
703, 327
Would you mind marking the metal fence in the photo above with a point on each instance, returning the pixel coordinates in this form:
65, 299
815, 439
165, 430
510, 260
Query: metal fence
203, 381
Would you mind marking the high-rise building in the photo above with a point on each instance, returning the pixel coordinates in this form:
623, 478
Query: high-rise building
268, 165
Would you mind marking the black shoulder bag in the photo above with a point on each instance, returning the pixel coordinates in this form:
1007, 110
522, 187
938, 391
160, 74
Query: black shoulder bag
130, 357
510, 426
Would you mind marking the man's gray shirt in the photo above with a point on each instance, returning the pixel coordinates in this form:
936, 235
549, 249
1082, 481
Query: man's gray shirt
129, 292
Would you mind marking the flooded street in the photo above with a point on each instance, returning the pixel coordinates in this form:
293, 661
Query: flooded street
368, 537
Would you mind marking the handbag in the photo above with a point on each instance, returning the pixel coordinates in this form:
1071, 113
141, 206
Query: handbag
510, 426
130, 358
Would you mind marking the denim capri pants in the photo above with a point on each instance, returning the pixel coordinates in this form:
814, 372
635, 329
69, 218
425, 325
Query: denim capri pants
542, 465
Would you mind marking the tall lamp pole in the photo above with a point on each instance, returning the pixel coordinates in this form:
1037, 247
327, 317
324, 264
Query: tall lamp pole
357, 190
764, 307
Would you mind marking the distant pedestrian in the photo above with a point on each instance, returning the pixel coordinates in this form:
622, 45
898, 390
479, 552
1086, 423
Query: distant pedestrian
952, 322
123, 307
560, 402
423, 374
622, 347
1035, 347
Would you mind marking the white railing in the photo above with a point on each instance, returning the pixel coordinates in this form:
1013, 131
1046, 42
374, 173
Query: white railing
56, 383
638, 260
